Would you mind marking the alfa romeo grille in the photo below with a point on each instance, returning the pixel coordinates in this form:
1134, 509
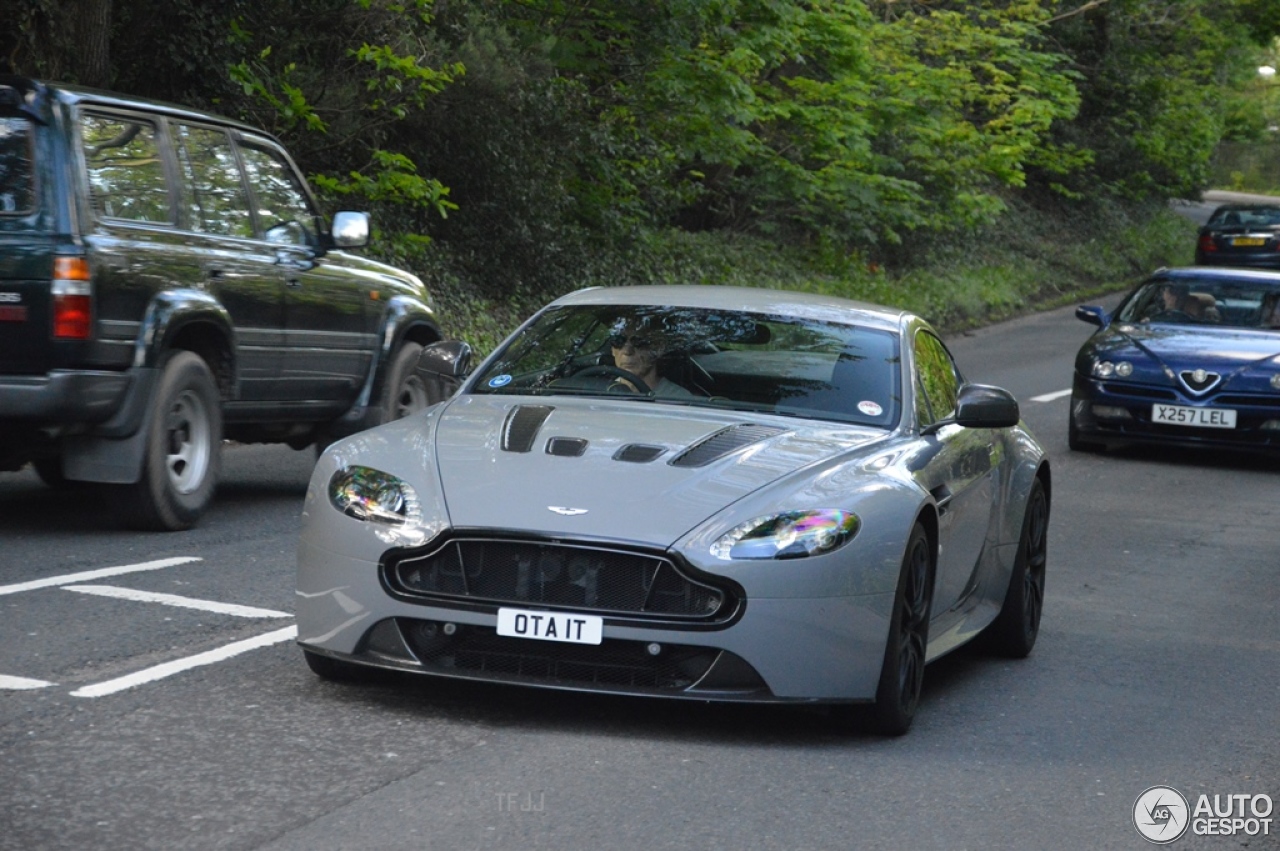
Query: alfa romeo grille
578, 577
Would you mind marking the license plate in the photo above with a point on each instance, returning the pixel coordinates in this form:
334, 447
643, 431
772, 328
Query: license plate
1200, 417
551, 626
1248, 240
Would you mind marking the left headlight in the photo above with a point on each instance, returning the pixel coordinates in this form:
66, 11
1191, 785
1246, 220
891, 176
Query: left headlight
791, 534
368, 494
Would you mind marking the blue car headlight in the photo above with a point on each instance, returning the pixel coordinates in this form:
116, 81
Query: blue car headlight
368, 494
790, 534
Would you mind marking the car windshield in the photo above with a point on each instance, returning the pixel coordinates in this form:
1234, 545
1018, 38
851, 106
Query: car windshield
704, 358
1205, 301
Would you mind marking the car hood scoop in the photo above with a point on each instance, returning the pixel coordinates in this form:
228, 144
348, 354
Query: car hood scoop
637, 471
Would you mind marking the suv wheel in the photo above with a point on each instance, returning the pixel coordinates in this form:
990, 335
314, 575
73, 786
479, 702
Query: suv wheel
183, 443
405, 392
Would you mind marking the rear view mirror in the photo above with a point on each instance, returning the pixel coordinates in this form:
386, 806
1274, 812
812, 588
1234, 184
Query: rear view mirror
1093, 315
350, 230
984, 406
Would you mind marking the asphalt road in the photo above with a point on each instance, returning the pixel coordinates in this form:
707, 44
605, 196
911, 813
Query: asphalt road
128, 721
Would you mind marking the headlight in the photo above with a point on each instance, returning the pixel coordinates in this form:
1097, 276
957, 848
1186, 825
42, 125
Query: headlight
368, 494
1106, 369
791, 534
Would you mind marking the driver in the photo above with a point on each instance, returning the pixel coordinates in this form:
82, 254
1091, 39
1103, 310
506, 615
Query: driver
1270, 311
636, 349
1172, 300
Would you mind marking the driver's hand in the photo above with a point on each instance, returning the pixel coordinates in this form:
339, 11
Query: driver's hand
624, 384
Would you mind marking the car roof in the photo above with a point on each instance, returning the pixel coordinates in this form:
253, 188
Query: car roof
1223, 273
748, 299
76, 94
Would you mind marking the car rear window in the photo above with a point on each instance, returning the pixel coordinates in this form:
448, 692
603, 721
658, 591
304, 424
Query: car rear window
17, 171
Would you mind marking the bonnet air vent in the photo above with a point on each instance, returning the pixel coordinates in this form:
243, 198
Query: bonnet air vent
723, 443
521, 426
566, 447
638, 453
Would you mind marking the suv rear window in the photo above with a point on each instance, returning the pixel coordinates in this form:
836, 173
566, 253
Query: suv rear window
126, 174
17, 195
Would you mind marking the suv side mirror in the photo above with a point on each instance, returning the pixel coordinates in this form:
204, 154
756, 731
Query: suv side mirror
984, 406
442, 367
350, 230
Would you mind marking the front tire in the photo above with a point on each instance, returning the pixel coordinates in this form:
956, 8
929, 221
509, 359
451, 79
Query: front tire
1013, 633
902, 672
182, 450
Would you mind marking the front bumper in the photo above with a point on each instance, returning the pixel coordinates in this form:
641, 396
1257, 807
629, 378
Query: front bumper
778, 650
1257, 417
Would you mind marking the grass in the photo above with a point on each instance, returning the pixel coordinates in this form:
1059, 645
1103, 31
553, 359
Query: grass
1029, 260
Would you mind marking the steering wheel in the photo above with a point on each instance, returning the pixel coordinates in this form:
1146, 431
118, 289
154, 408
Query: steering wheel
616, 372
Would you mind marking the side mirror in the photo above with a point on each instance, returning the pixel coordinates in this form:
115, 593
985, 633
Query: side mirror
350, 230
442, 367
1093, 315
984, 406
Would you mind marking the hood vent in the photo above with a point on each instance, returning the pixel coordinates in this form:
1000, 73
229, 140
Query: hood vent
566, 447
722, 443
521, 426
638, 453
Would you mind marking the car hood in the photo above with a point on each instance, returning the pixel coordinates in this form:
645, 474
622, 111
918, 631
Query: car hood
1181, 347
560, 466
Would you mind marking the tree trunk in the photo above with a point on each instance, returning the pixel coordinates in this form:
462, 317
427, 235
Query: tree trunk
88, 55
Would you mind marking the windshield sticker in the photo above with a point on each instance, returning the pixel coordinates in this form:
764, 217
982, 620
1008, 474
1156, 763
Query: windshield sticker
869, 408
500, 381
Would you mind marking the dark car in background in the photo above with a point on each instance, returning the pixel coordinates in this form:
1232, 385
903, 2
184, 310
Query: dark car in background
1241, 235
167, 282
1190, 357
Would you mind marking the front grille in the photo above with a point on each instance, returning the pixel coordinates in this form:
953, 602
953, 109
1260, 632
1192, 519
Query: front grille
578, 577
615, 663
1119, 389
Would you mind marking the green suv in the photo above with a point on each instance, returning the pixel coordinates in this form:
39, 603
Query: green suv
166, 283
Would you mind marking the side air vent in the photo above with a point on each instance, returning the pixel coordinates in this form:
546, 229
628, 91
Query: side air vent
521, 426
566, 447
638, 453
722, 443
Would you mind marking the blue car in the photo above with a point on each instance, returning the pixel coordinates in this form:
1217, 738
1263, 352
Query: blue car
1191, 357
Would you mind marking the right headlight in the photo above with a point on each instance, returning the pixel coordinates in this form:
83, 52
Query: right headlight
787, 535
368, 494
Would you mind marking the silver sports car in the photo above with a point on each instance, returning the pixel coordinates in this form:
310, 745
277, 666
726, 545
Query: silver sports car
691, 492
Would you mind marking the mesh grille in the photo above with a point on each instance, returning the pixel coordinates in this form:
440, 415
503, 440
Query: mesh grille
556, 575
612, 664
722, 443
521, 427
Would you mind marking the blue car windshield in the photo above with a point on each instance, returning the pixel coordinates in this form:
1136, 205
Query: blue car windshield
1238, 303
704, 358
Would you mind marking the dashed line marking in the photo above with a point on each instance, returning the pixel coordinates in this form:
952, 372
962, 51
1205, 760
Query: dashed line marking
21, 683
177, 666
1049, 397
175, 600
101, 573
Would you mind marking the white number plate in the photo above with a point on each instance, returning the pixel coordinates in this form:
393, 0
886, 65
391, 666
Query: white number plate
551, 626
1201, 417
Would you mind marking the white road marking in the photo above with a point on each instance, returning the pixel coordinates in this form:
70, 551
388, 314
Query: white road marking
175, 600
177, 666
1049, 397
8, 682
101, 573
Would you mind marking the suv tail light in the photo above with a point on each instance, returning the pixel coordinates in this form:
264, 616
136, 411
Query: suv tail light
72, 299
1207, 243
